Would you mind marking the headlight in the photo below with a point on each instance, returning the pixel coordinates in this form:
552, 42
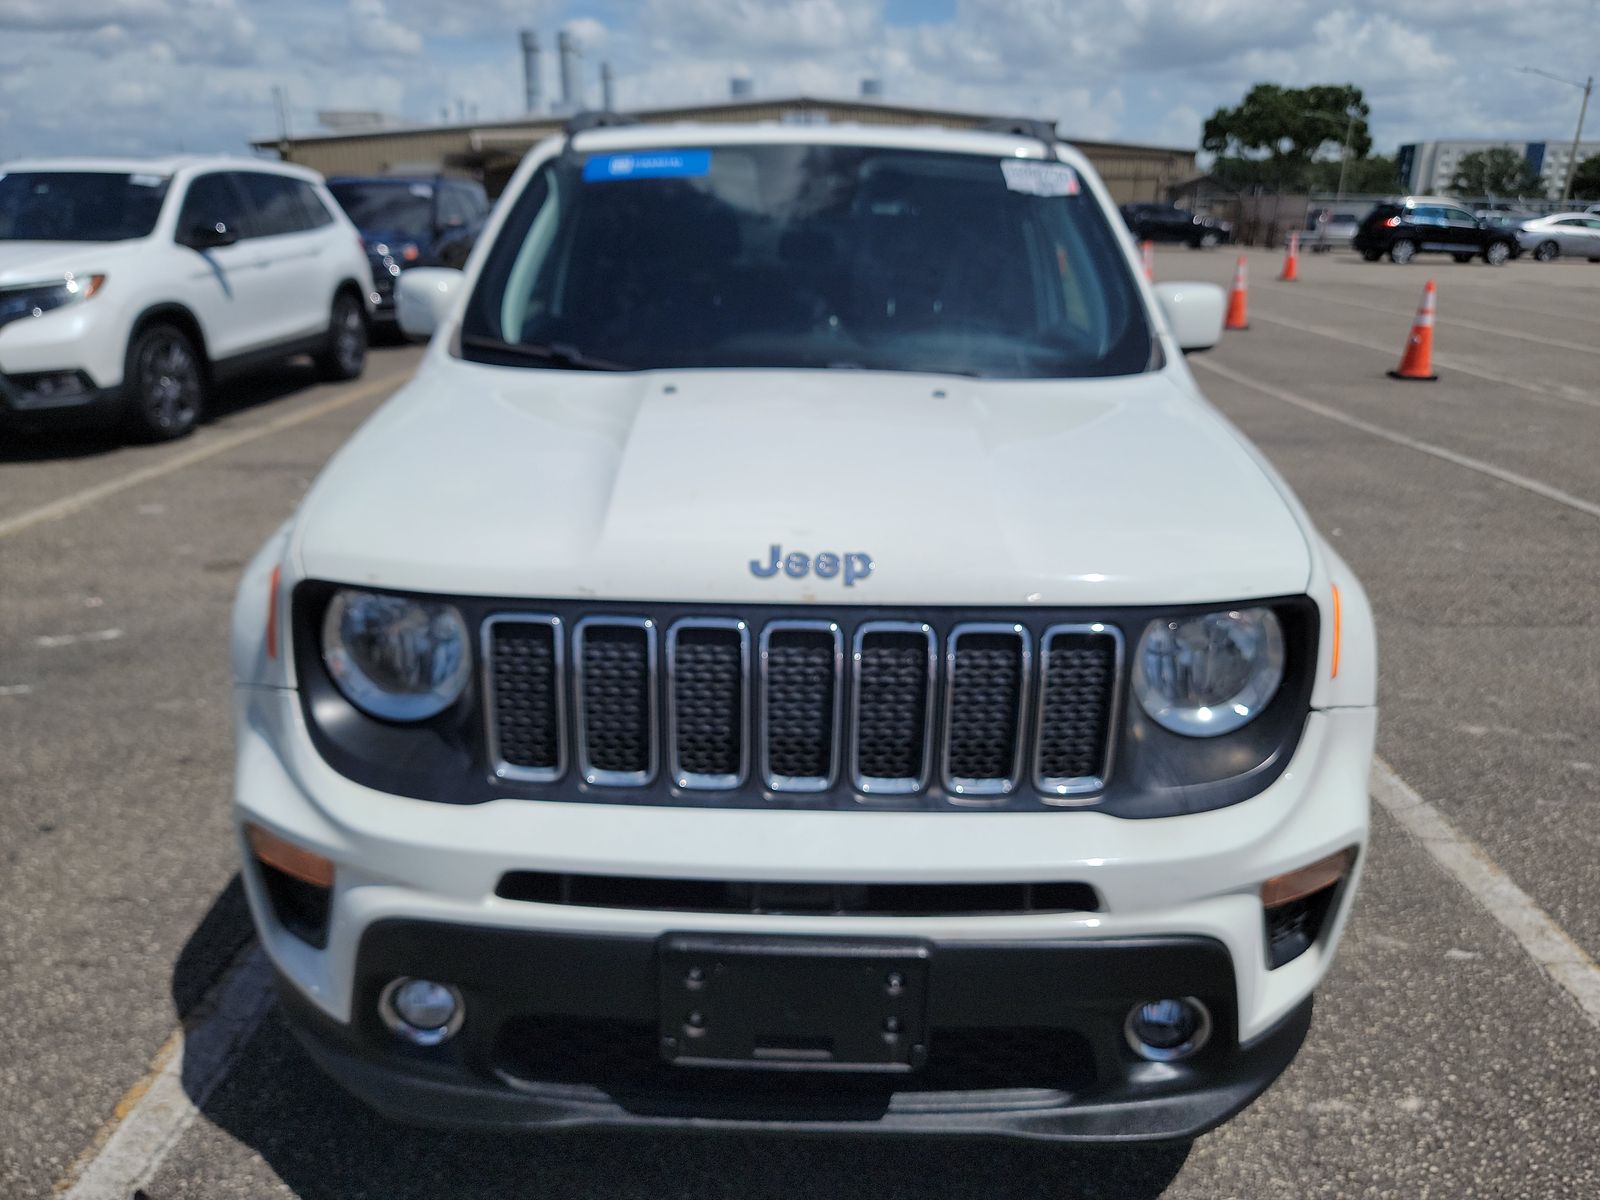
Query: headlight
36, 299
1208, 675
398, 659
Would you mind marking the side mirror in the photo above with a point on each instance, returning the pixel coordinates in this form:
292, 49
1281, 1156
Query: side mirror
211, 236
423, 298
1194, 313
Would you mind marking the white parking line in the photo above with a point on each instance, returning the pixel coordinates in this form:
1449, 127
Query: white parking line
1449, 319
1550, 946
153, 1114
1576, 503
78, 501
54, 640
1564, 395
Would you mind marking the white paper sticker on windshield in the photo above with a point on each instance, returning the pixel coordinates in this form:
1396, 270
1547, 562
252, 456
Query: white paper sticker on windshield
421, 190
147, 180
1039, 178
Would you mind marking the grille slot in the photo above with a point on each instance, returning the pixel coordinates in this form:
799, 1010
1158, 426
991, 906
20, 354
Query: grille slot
835, 899
615, 658
892, 718
987, 677
707, 695
802, 669
1079, 667
526, 729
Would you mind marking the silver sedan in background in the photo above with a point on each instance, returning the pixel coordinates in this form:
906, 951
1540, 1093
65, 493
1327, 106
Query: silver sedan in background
1548, 238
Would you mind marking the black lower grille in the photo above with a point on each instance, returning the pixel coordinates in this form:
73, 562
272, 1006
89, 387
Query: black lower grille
616, 700
833, 899
623, 1059
1079, 677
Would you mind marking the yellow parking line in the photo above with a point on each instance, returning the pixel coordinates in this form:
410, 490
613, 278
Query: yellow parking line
78, 501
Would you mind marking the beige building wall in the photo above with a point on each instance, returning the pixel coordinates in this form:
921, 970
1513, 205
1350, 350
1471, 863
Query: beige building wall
491, 150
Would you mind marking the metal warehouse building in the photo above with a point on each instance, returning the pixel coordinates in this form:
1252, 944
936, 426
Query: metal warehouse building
491, 150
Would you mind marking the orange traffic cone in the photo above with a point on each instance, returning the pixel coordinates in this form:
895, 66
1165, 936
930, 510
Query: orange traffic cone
1291, 260
1238, 300
1417, 361
1147, 251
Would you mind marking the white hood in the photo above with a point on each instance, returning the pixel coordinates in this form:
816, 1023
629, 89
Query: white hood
29, 262
666, 486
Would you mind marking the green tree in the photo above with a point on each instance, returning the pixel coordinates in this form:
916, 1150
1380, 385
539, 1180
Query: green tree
1286, 129
1375, 175
1497, 172
1586, 183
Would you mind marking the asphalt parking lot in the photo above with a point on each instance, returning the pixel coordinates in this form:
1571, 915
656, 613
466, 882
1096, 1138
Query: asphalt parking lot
1452, 1053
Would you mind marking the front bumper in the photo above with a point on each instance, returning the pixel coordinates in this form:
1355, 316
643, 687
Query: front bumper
1022, 1040
24, 404
413, 865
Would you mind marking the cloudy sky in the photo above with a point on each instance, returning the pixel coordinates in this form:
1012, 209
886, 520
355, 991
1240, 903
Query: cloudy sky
97, 76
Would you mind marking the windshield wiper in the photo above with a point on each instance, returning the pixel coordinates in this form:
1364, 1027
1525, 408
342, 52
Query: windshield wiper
552, 354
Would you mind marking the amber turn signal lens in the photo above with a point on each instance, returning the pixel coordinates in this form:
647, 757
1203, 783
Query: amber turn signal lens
1307, 881
294, 861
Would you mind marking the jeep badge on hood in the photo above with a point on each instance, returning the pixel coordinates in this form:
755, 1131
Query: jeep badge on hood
825, 565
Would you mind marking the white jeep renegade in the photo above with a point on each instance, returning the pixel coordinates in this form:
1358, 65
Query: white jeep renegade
802, 653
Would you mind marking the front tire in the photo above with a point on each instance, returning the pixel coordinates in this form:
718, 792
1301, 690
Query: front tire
1546, 252
345, 355
1496, 253
164, 383
1402, 251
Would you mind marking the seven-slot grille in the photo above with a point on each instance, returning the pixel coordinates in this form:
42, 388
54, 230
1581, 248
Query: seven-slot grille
888, 711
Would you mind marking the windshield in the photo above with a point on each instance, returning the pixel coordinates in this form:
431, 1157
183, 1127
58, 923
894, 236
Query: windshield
809, 256
403, 208
79, 206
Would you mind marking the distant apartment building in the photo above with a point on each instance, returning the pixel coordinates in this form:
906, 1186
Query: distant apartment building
1426, 167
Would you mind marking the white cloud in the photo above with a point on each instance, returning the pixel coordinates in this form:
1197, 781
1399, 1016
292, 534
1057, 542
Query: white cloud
202, 71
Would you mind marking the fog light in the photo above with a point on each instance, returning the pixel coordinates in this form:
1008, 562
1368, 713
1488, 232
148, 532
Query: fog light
1168, 1030
421, 1011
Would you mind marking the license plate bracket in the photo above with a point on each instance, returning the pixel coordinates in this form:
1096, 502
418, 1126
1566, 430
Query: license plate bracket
793, 1003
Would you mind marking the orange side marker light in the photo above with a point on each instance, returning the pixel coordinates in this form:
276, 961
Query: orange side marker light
294, 861
1337, 630
272, 612
1308, 880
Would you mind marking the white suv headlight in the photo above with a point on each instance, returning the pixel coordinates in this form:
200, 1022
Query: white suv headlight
1208, 675
395, 658
36, 299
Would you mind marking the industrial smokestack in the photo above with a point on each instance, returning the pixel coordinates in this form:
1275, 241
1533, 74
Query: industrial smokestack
608, 99
530, 71
872, 89
740, 87
567, 47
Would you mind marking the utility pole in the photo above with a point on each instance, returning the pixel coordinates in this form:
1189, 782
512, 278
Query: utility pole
1344, 151
1572, 159
283, 120
1586, 87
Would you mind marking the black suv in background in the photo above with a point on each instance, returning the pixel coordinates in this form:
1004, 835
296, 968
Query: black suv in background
411, 221
1169, 223
1402, 229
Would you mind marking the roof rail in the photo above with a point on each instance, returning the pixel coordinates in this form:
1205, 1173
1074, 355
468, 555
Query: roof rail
595, 119
1030, 127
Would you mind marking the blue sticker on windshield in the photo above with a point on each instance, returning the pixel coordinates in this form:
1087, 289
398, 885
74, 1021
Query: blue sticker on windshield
648, 164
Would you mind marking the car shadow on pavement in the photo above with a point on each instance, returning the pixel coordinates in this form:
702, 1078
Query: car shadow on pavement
325, 1145
261, 386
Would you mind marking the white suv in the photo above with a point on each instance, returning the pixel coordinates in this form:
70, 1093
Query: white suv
128, 287
803, 652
